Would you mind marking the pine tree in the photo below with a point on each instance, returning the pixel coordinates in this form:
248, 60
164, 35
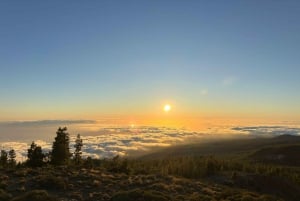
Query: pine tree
12, 158
35, 155
77, 153
60, 149
3, 158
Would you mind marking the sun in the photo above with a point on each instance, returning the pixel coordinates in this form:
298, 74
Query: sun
167, 108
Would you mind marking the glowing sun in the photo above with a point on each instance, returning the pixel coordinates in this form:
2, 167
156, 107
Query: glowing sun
167, 108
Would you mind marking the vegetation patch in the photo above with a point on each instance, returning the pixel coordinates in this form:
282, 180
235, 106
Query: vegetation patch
138, 194
35, 195
51, 182
4, 196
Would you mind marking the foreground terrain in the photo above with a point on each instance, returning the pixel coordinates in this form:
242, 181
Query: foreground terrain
241, 169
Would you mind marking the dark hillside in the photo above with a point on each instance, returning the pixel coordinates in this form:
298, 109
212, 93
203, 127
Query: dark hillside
284, 155
224, 147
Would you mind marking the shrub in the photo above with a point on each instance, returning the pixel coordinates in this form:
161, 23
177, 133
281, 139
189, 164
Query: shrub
138, 194
266, 198
4, 196
196, 196
51, 182
247, 198
35, 195
3, 185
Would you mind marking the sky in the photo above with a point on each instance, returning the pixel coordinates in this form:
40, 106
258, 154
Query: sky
85, 60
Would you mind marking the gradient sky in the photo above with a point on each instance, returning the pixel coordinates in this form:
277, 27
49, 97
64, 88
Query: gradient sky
82, 60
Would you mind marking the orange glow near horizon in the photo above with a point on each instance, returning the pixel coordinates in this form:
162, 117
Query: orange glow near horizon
189, 122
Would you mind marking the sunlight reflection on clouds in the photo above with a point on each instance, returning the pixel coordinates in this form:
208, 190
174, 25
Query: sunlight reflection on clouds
115, 141
127, 141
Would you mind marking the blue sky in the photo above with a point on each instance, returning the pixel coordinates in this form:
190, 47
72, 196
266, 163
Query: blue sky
75, 59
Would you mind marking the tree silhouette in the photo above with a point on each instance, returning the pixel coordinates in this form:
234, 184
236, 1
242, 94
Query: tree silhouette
60, 149
77, 153
35, 155
12, 158
3, 158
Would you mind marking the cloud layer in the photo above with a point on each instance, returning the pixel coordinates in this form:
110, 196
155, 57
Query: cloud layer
106, 141
124, 141
268, 130
121, 141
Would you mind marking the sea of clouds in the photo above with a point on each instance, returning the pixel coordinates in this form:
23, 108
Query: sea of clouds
101, 141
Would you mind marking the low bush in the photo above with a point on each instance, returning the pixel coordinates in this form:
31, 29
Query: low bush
4, 196
137, 194
35, 195
51, 182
